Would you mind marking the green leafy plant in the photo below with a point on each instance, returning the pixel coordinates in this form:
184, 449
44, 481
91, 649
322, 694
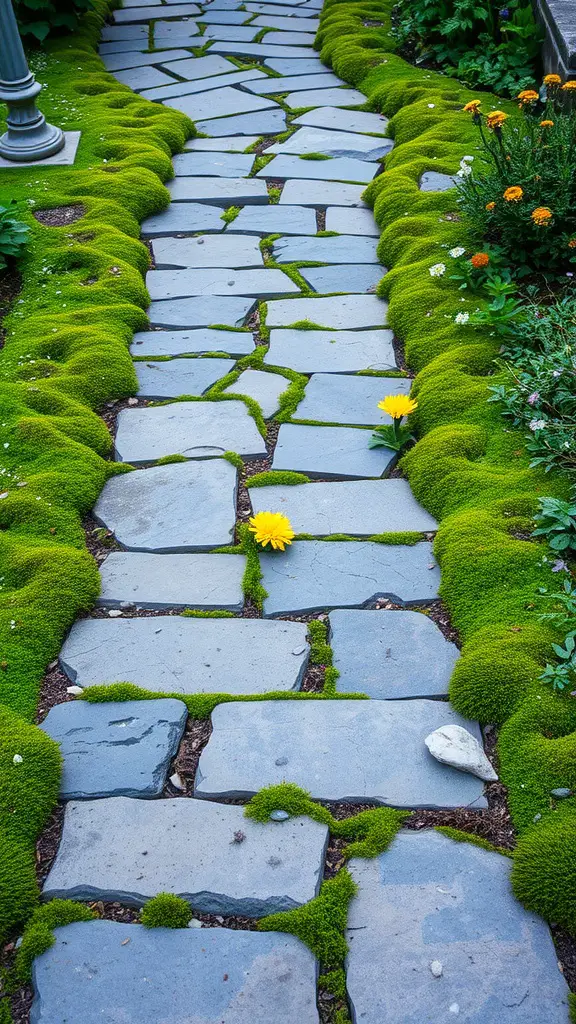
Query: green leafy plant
563, 673
397, 434
557, 524
40, 18
14, 236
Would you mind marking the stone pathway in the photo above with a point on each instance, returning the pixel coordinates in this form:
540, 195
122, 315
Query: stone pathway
434, 933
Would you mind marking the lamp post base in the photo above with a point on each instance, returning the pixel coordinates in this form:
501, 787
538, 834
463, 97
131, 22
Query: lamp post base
28, 143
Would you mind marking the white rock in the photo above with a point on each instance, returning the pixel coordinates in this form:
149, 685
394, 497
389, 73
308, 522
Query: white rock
177, 781
17, 759
75, 691
194, 923
115, 613
436, 968
453, 745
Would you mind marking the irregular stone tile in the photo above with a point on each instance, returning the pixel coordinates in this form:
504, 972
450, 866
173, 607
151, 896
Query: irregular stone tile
182, 343
140, 79
329, 97
265, 388
274, 85
186, 847
292, 39
170, 581
138, 3
301, 66
274, 219
316, 575
344, 248
344, 120
177, 89
124, 46
345, 750
175, 377
259, 50
221, 102
432, 181
210, 251
183, 506
331, 351
181, 217
121, 33
356, 278
232, 144
307, 192
267, 122
341, 168
177, 31
198, 430
218, 191
193, 68
341, 398
200, 311
430, 899
167, 284
118, 61
322, 140
330, 452
176, 654
148, 13
286, 24
360, 508
231, 33
388, 654
227, 165
279, 10
342, 313
210, 17
115, 749
351, 222
267, 975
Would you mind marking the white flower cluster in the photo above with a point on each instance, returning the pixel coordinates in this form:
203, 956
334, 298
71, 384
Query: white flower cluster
438, 270
465, 168
461, 318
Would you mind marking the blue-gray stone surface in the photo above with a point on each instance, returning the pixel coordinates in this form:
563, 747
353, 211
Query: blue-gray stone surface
350, 221
218, 191
142, 78
221, 103
264, 388
339, 249
175, 377
330, 351
202, 85
133, 59
329, 97
181, 217
347, 312
225, 165
332, 143
356, 278
197, 430
344, 398
263, 122
117, 748
274, 85
267, 283
102, 971
193, 68
432, 181
330, 452
157, 581
271, 220
344, 120
307, 192
430, 899
182, 343
200, 311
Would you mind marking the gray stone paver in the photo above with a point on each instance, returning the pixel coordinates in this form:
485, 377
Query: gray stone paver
176, 654
230, 143
265, 388
276, 85
332, 143
147, 12
177, 284
181, 217
330, 452
349, 221
259, 50
307, 192
432, 181
263, 122
329, 97
341, 249
197, 430
132, 59
181, 343
335, 398
175, 377
226, 165
344, 120
231, 33
287, 23
218, 191
347, 312
355, 278
215, 251
140, 79
220, 103
200, 311
270, 220
331, 351
161, 581
297, 66
202, 85
340, 168
291, 38
114, 749
215, 973
193, 68
186, 847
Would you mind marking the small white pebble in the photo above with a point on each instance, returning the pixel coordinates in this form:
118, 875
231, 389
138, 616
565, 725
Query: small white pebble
177, 782
436, 968
17, 759
74, 691
194, 923
454, 1008
115, 613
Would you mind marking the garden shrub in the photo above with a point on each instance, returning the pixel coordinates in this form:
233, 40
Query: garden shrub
13, 236
39, 18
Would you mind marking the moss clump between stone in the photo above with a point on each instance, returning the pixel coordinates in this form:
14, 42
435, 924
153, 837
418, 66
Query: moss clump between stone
39, 933
165, 910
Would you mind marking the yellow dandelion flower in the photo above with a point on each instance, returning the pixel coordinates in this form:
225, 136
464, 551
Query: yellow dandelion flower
473, 107
551, 80
541, 216
570, 85
546, 124
513, 194
398, 406
527, 96
271, 528
496, 119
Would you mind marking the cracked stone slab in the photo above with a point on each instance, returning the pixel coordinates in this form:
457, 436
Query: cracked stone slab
231, 143
346, 312
331, 143
345, 750
231, 33
317, 575
353, 278
223, 165
180, 217
149, 13
181, 506
432, 181
218, 191
274, 219
182, 343
265, 388
186, 847
334, 398
120, 61
360, 508
330, 452
259, 50
350, 221
175, 377
177, 284
344, 120
200, 311
390, 654
156, 581
175, 654
176, 89
308, 192
193, 68
330, 98
116, 749
266, 122
338, 249
340, 168
275, 85
212, 251
430, 899
331, 351
140, 79
198, 430
237, 975
221, 103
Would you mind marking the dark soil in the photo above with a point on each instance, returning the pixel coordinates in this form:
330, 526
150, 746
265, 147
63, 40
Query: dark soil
196, 736
10, 285
60, 216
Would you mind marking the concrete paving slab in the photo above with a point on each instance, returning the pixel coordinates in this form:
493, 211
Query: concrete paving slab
266, 122
274, 219
330, 116
221, 102
340, 249
218, 191
348, 277
331, 143
168, 284
182, 217
349, 221
307, 192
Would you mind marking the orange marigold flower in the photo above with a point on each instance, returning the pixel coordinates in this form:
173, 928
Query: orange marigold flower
551, 80
570, 85
480, 259
490, 206
473, 107
572, 243
541, 216
496, 119
546, 124
528, 96
513, 194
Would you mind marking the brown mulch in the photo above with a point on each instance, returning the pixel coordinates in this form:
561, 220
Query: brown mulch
48, 843
60, 216
196, 736
52, 690
10, 285
320, 220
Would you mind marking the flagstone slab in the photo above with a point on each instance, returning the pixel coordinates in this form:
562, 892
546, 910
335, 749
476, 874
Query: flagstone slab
347, 312
343, 398
274, 219
319, 575
115, 749
177, 31
287, 24
360, 508
144, 78
149, 13
182, 343
278, 10
331, 351
210, 17
175, 377
299, 66
429, 899
231, 143
231, 33
351, 221
227, 165
101, 970
167, 284
183, 506
186, 847
264, 388
221, 103
259, 50
210, 251
330, 98
307, 192
266, 122
181, 217
198, 430
200, 311
274, 85
331, 143
175, 654
291, 39
330, 116
330, 452
355, 278
341, 168
390, 654
340, 249
218, 191
120, 33
160, 581
432, 181
345, 750
193, 68
176, 89
120, 60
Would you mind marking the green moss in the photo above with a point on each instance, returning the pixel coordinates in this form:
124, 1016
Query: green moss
166, 911
216, 613
252, 579
260, 162
272, 477
306, 325
572, 1007
544, 868
234, 459
274, 193
167, 460
320, 923
326, 234
314, 156
320, 650
468, 837
230, 214
39, 933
